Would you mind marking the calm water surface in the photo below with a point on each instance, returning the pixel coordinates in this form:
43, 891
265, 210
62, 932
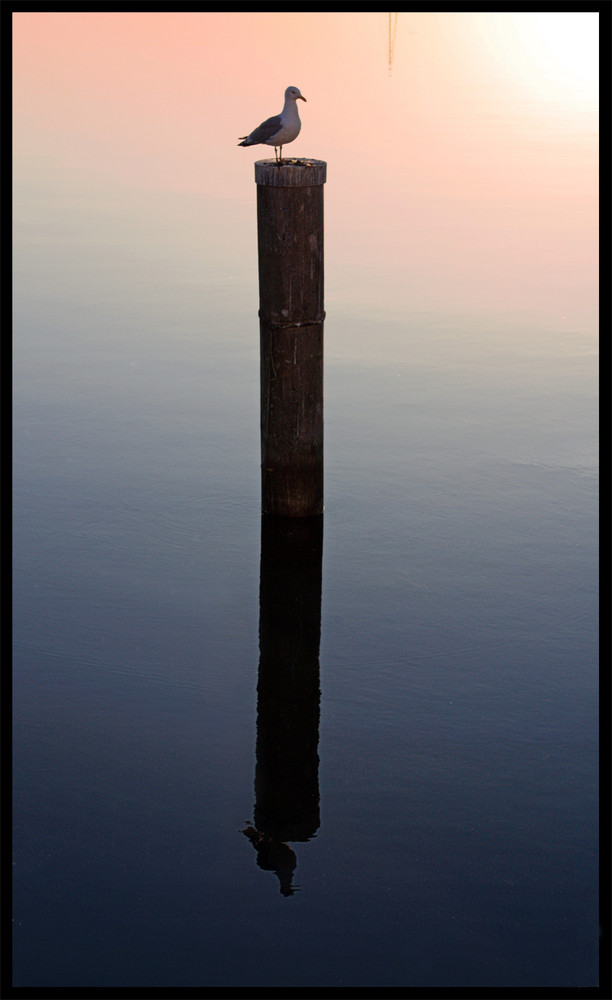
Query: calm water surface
360, 751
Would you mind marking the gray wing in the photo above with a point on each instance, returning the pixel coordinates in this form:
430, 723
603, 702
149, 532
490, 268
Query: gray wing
266, 130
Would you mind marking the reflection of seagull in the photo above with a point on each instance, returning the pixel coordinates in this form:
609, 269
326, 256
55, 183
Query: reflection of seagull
281, 128
274, 856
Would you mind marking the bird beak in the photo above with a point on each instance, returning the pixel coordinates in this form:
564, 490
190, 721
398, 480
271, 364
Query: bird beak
300, 98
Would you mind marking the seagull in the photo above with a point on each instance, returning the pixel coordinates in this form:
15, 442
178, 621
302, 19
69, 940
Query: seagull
281, 128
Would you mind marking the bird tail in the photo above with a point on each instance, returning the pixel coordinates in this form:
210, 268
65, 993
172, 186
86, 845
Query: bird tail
245, 142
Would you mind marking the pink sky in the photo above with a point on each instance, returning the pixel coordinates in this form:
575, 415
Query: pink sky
476, 155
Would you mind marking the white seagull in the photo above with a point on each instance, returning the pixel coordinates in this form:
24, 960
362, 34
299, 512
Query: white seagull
281, 128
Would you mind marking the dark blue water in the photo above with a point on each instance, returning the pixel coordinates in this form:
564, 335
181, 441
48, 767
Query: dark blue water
396, 702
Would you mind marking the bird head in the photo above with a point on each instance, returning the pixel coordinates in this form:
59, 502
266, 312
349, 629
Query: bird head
294, 92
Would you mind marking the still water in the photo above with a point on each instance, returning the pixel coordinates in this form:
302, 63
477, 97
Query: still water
358, 750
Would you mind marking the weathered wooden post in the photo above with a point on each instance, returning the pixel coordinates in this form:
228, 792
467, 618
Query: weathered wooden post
290, 240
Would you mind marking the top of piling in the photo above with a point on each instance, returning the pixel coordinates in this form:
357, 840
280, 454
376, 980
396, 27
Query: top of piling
290, 173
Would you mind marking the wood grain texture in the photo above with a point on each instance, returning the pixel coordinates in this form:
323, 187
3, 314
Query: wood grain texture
290, 244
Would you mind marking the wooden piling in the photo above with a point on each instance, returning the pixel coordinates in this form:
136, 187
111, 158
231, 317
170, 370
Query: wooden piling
291, 315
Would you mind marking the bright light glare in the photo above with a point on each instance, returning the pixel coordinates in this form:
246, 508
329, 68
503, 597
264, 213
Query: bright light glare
554, 57
562, 49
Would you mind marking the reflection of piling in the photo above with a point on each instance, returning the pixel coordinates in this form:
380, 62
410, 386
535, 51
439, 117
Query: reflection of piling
290, 240
287, 769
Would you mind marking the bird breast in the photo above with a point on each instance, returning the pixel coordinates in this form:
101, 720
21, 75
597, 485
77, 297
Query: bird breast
288, 132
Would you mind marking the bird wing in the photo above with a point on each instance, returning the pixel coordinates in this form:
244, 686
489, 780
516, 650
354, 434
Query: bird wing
266, 130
